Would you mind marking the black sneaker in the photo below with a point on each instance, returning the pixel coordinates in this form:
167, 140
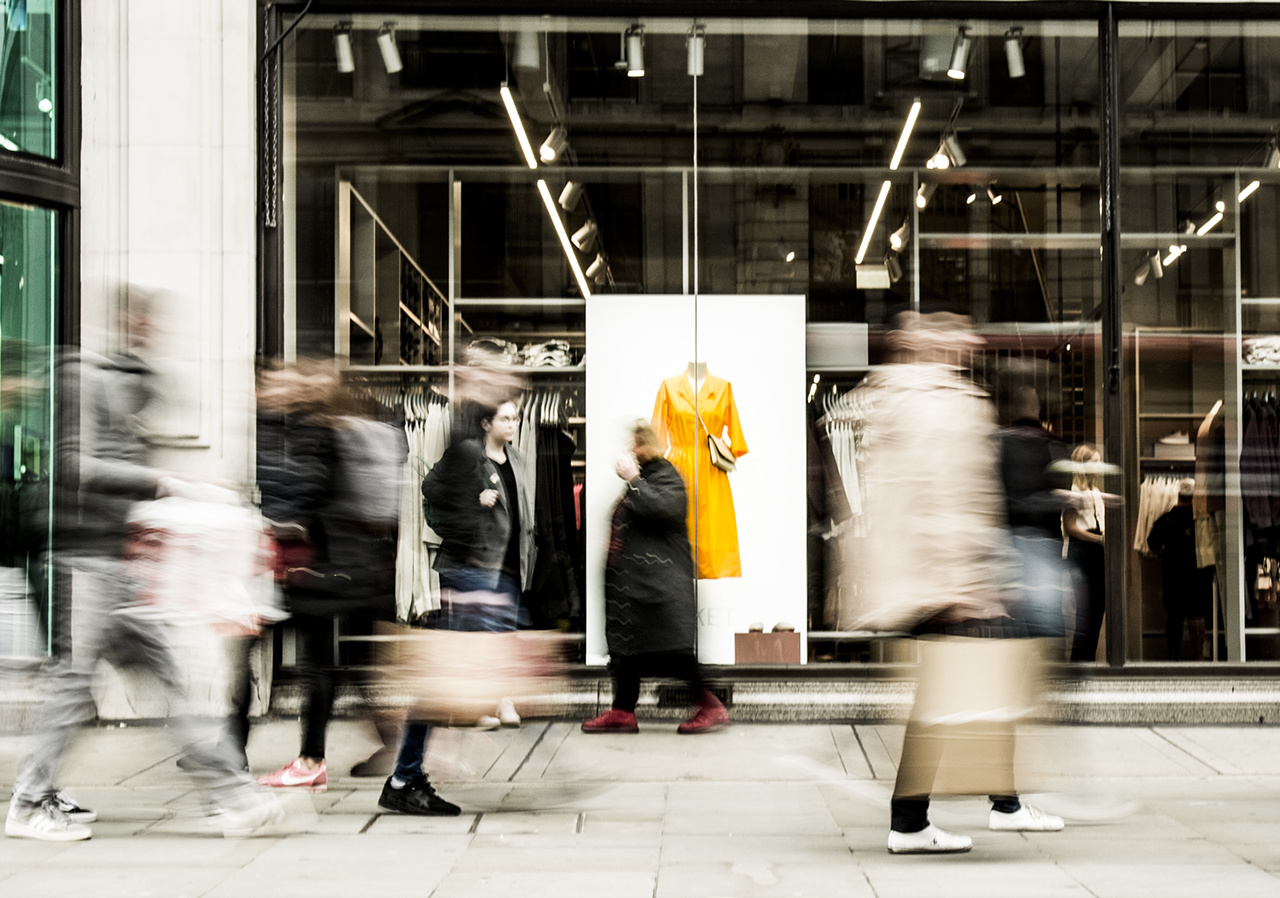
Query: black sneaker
417, 797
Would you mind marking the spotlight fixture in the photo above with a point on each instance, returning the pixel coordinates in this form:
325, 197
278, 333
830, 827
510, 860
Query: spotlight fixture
925, 193
44, 104
898, 239
1188, 226
695, 46
570, 196
564, 238
342, 48
1273, 156
517, 125
912, 115
632, 61
585, 237
554, 145
972, 197
1212, 223
996, 198
528, 54
790, 256
871, 225
939, 159
951, 146
1140, 273
1157, 267
1013, 52
893, 265
1174, 252
1248, 191
960, 55
387, 47
596, 268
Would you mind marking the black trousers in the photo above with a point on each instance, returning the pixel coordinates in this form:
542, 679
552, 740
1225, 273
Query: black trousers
628, 670
1092, 603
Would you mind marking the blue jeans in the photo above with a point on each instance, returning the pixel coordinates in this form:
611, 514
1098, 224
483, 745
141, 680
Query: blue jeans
1041, 592
463, 617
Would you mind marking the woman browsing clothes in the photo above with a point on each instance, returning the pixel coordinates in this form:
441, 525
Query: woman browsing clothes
650, 609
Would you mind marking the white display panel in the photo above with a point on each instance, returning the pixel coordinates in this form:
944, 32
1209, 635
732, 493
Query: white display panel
757, 343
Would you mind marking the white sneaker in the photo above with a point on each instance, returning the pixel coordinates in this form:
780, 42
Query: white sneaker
72, 809
245, 820
45, 823
1025, 819
488, 722
929, 840
507, 715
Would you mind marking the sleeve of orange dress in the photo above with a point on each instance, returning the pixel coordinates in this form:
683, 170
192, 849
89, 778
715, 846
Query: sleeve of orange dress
661, 415
737, 442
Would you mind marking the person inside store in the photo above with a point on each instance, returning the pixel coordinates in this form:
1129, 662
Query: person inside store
478, 499
1083, 521
329, 477
650, 604
1187, 590
938, 564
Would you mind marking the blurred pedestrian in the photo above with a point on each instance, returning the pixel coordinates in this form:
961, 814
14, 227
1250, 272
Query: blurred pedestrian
104, 471
938, 563
650, 605
478, 499
1083, 525
329, 477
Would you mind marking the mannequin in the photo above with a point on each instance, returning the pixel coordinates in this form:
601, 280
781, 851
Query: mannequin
697, 374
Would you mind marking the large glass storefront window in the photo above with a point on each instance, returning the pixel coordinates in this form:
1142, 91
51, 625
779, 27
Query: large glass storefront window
28, 296
625, 208
27, 77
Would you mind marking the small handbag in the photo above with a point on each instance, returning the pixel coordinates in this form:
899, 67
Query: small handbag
721, 456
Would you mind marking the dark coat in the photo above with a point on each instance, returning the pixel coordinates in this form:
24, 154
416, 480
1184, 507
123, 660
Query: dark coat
474, 537
648, 578
1031, 500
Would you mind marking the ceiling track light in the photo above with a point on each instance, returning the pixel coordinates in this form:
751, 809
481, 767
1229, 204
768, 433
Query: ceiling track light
387, 47
912, 115
1273, 156
342, 48
925, 193
598, 270
996, 198
1140, 273
570, 196
951, 146
554, 145
1013, 52
893, 265
898, 239
696, 48
1156, 266
972, 197
960, 55
528, 54
632, 61
564, 238
517, 125
1174, 252
871, 225
585, 237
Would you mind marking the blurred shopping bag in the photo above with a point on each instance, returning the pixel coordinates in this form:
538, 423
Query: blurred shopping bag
454, 678
20, 636
970, 697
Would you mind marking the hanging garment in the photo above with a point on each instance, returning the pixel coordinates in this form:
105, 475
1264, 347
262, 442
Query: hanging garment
713, 523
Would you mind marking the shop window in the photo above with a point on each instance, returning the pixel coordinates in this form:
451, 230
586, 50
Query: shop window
29, 92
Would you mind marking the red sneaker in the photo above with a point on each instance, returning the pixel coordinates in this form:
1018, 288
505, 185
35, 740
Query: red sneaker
612, 721
294, 776
710, 717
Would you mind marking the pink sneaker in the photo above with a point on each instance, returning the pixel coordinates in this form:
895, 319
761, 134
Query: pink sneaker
294, 776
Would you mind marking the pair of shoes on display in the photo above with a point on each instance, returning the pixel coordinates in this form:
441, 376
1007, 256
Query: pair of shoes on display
244, 819
294, 776
710, 717
417, 796
612, 721
929, 840
44, 822
1025, 819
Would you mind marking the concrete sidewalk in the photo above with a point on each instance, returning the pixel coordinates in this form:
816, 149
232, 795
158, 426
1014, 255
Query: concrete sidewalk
756, 810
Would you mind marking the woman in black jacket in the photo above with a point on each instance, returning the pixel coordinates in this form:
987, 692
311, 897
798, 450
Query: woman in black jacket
650, 607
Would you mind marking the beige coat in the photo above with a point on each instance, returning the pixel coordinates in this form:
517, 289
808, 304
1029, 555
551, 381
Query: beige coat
936, 544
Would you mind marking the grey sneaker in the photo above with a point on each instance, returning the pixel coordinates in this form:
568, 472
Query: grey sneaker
245, 820
44, 822
72, 809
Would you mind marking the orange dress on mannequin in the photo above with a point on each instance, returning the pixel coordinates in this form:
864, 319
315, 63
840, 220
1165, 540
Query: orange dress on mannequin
713, 525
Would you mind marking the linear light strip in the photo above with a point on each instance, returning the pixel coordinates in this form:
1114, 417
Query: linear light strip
1209, 225
871, 225
1248, 190
564, 238
513, 113
906, 135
